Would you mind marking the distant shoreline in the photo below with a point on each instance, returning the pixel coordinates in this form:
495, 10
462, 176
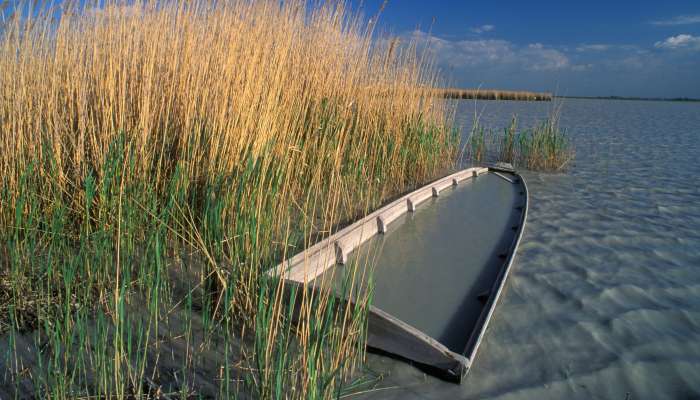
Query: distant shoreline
490, 94
493, 94
677, 99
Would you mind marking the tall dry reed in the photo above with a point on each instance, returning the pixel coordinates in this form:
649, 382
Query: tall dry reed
146, 140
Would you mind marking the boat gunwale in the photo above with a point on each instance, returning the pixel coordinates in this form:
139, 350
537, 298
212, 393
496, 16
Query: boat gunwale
296, 267
500, 282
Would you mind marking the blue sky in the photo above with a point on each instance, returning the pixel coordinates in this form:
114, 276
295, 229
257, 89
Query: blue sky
589, 48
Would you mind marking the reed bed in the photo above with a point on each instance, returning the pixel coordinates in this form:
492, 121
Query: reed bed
487, 94
157, 157
543, 147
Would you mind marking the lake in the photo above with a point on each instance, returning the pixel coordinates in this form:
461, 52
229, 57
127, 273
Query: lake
604, 298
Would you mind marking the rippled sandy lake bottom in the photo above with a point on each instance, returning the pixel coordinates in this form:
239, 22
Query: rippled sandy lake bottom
604, 299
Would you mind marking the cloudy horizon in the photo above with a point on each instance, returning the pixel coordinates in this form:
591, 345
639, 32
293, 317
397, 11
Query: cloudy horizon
654, 52
490, 62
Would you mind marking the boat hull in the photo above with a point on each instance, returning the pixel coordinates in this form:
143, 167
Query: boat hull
439, 265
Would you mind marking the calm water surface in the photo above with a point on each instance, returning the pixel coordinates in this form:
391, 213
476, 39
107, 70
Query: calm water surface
604, 299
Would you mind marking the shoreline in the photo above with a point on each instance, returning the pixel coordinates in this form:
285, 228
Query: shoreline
666, 99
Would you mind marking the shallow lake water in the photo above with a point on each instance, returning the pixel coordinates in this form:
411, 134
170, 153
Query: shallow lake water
604, 298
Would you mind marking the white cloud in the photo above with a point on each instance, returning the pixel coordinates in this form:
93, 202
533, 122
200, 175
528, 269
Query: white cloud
592, 47
482, 29
463, 53
679, 20
537, 57
682, 41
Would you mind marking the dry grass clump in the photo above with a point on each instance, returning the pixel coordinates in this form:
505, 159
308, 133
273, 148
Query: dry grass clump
147, 142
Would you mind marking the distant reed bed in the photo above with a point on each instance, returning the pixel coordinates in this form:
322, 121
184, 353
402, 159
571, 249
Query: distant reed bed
486, 94
157, 157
